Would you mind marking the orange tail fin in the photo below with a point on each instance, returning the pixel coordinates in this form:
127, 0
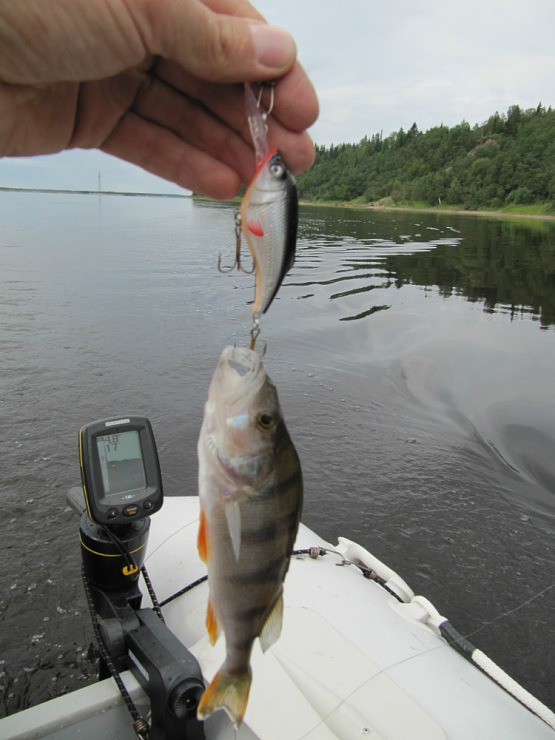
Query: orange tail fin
226, 692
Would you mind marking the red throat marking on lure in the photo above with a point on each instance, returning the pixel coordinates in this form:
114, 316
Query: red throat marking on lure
255, 228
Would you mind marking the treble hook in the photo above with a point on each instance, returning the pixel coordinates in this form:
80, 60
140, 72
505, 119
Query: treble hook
237, 264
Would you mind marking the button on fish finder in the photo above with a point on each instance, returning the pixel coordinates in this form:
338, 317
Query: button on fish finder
120, 470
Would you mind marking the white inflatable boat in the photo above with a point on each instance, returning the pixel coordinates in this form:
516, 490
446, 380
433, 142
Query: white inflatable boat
359, 656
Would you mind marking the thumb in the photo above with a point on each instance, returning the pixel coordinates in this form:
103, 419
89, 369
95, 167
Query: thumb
225, 48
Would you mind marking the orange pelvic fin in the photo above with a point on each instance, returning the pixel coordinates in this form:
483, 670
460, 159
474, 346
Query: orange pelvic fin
226, 692
202, 544
212, 624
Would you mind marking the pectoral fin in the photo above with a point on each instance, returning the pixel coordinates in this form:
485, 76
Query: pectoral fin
272, 626
233, 516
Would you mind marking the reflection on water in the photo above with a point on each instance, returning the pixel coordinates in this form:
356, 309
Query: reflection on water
507, 265
414, 380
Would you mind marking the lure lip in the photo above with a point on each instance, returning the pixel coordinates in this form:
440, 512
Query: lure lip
260, 164
257, 124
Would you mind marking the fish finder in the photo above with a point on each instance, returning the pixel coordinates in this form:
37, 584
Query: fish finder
120, 470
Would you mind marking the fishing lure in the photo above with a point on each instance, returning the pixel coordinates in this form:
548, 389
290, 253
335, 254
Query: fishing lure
268, 214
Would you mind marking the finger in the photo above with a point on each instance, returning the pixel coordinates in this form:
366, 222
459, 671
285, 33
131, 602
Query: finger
164, 154
240, 8
194, 124
215, 46
227, 103
300, 104
296, 104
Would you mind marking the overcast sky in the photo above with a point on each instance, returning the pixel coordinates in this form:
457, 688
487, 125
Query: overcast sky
377, 65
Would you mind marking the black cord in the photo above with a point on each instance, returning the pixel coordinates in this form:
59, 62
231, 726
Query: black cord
202, 579
314, 552
184, 590
124, 552
139, 724
156, 605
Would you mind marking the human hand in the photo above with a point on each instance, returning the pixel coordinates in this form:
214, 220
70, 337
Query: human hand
154, 82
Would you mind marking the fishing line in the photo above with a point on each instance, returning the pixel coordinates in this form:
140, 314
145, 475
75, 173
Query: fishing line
511, 611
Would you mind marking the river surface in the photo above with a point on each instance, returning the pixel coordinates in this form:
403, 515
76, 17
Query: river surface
414, 355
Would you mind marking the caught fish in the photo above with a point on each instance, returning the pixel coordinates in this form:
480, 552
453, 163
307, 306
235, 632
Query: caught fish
269, 213
250, 486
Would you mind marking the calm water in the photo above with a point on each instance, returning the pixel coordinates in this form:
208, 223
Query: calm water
414, 357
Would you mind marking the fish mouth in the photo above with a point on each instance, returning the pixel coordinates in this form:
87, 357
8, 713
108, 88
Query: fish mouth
241, 368
242, 358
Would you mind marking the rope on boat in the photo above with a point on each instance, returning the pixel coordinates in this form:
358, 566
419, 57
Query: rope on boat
509, 684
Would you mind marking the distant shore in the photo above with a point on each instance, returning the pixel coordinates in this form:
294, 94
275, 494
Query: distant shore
330, 204
94, 192
429, 209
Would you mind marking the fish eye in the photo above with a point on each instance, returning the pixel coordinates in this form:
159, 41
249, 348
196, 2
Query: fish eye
265, 420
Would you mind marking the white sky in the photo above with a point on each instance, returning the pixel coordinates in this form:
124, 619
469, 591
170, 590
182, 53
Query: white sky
377, 65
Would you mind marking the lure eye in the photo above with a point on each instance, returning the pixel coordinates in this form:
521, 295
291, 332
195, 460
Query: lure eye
265, 421
277, 170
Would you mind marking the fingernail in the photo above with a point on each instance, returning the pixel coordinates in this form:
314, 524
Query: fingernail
274, 47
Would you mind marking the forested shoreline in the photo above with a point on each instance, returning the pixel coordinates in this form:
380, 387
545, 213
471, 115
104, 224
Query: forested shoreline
508, 162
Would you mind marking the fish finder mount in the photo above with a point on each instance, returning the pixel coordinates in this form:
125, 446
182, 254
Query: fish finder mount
130, 637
